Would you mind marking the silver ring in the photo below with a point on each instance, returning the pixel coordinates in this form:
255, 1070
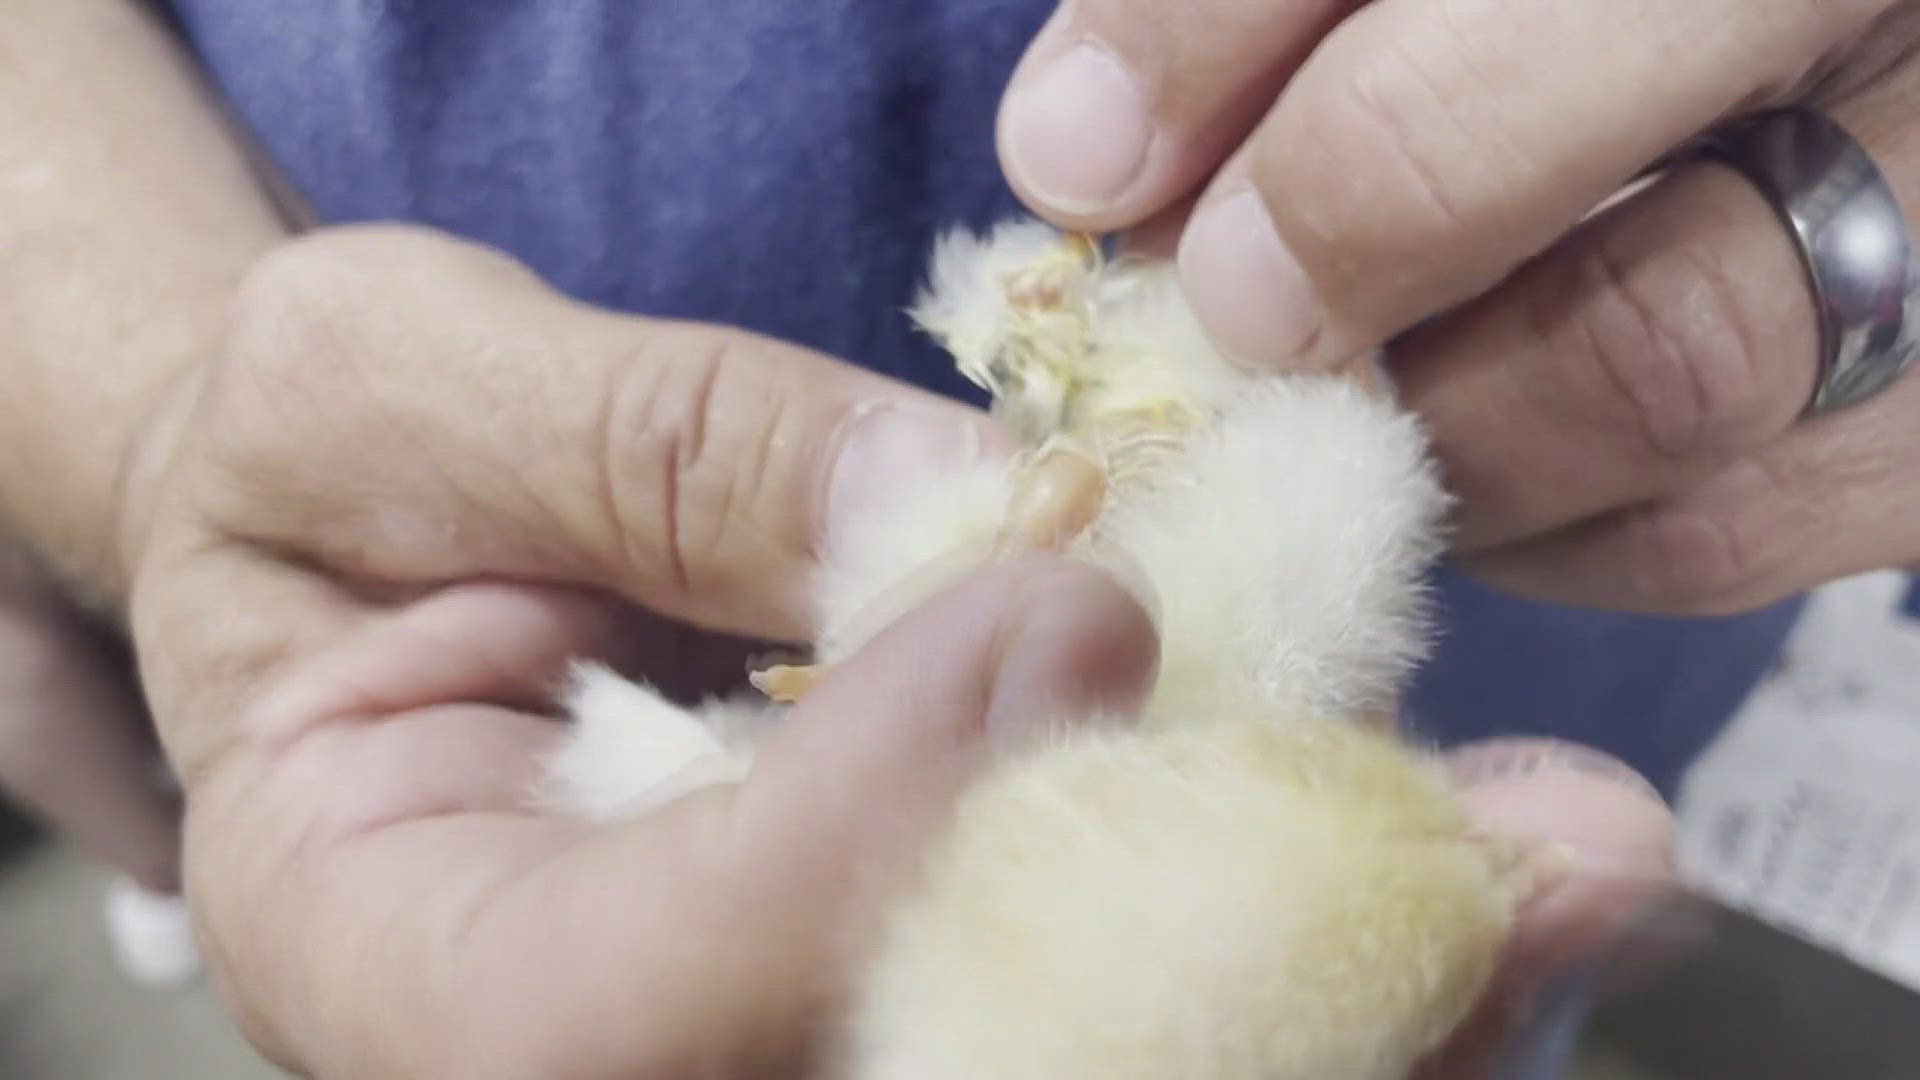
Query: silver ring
1853, 238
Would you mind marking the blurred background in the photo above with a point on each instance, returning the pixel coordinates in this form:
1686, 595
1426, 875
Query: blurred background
66, 1011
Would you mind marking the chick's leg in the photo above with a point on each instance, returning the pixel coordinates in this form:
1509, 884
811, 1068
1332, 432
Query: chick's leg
1057, 495
1057, 490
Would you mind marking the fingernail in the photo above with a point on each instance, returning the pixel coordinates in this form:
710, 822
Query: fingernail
1245, 287
890, 452
1548, 865
1078, 131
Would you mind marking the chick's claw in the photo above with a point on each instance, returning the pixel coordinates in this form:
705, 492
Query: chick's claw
787, 683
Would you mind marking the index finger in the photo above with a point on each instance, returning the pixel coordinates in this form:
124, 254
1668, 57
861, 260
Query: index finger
1427, 149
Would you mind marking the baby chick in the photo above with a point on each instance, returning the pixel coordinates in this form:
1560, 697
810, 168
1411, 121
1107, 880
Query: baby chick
1251, 880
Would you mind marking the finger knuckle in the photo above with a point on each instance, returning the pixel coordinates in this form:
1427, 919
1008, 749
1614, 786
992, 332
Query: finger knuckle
328, 310
1671, 340
283, 303
294, 309
1372, 124
685, 449
1695, 564
291, 394
298, 298
1385, 116
322, 259
1706, 561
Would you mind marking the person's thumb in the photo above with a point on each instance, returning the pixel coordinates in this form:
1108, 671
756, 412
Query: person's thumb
421, 409
1601, 846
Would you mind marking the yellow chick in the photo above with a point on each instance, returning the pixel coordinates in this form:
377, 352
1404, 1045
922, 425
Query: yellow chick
1258, 880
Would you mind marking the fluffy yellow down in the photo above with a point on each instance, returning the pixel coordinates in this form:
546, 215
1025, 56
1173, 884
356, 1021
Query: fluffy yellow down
1237, 900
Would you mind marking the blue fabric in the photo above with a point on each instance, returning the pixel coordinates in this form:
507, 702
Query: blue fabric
784, 166
1652, 691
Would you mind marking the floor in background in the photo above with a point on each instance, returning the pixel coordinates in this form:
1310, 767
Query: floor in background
65, 1012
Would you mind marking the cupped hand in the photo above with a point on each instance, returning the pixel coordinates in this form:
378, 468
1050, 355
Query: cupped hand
1614, 386
370, 536
369, 539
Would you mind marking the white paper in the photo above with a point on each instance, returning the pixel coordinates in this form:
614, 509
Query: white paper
1806, 811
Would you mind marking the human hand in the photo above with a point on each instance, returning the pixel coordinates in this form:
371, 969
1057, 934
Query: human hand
1608, 842
1615, 397
415, 485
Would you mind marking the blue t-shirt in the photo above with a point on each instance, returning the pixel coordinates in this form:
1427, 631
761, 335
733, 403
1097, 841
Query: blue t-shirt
785, 166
